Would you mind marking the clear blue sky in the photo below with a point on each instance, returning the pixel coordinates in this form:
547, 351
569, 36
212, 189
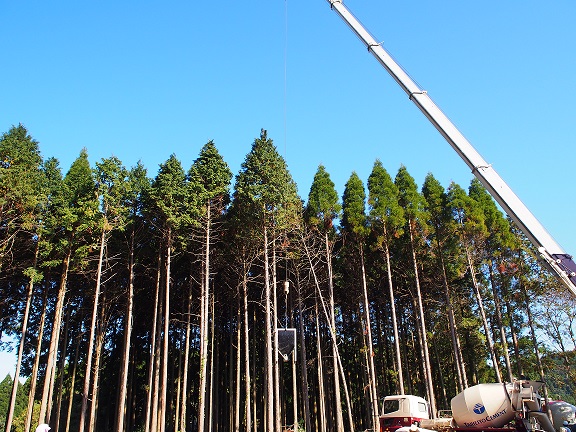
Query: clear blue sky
143, 79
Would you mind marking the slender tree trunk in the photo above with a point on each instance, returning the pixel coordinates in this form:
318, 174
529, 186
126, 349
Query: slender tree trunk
489, 341
121, 413
294, 392
427, 366
247, 382
536, 349
370, 353
237, 393
96, 384
72, 385
212, 400
456, 346
54, 342
303, 363
337, 395
204, 298
322, 397
152, 359
89, 355
269, 355
340, 368
498, 310
10, 415
34, 376
277, 409
187, 342
61, 374
163, 393
515, 343
394, 319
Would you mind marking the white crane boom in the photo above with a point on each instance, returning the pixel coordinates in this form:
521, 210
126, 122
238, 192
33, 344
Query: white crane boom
550, 251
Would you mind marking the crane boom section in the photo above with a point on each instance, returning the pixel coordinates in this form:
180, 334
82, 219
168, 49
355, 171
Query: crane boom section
557, 259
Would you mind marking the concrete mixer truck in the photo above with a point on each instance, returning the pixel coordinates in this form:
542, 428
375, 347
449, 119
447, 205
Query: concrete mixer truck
484, 407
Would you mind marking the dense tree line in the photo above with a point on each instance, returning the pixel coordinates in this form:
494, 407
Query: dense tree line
153, 303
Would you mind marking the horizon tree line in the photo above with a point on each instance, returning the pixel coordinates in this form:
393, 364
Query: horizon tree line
153, 304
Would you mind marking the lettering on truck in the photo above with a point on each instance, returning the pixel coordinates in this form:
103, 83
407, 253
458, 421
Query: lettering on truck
485, 419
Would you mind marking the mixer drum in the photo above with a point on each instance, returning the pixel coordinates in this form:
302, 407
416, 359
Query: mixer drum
481, 406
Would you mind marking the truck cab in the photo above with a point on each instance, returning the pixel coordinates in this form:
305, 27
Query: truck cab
403, 410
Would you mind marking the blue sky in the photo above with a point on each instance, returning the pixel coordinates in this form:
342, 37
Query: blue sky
142, 80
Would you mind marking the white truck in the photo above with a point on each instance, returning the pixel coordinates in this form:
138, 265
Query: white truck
484, 407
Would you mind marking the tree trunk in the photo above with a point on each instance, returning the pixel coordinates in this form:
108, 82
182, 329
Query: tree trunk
72, 385
371, 370
29, 293
498, 310
247, 382
489, 341
187, 342
54, 342
456, 346
163, 393
204, 298
88, 374
151, 362
277, 409
337, 395
61, 374
34, 376
427, 366
236, 426
322, 397
268, 329
304, 363
123, 380
394, 319
96, 384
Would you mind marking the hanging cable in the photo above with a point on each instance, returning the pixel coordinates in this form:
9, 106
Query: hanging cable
285, 73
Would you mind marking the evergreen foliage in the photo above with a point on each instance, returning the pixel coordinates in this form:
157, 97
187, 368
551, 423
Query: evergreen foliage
192, 281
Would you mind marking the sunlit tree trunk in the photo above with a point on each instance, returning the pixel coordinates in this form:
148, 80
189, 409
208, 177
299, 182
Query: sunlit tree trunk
24, 330
150, 404
97, 360
247, 381
164, 390
54, 342
394, 320
337, 392
489, 341
187, 342
72, 384
499, 321
268, 334
304, 363
34, 376
422, 320
123, 380
91, 335
370, 352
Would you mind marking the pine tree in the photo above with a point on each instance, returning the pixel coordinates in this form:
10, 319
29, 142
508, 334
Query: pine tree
441, 235
413, 203
266, 203
355, 227
321, 210
71, 229
387, 222
171, 200
209, 177
472, 232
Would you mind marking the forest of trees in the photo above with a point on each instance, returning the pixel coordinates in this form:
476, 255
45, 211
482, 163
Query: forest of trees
139, 302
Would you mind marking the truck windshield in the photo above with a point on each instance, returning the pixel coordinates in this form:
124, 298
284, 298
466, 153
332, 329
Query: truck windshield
392, 405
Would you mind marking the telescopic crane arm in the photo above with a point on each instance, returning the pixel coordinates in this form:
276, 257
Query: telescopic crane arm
553, 255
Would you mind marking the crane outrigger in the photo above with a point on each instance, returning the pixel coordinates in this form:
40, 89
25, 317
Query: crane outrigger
557, 260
